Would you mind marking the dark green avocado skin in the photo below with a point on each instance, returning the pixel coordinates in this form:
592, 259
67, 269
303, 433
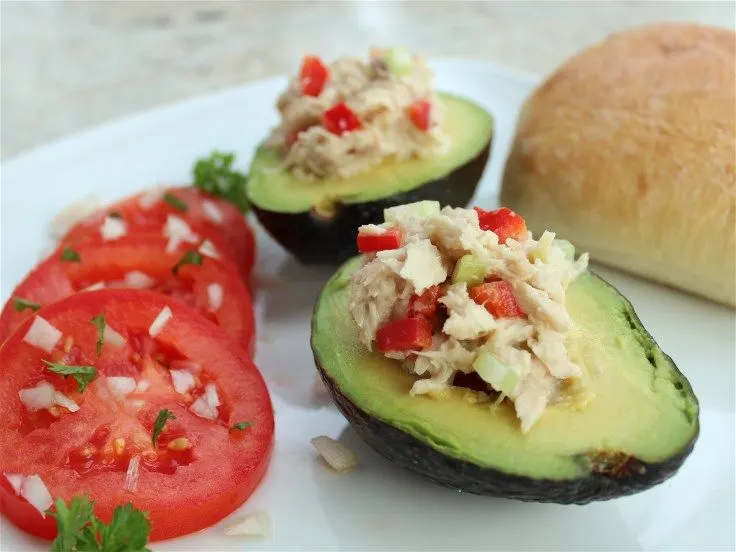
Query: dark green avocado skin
315, 240
620, 476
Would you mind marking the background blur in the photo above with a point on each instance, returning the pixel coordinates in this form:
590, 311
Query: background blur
68, 65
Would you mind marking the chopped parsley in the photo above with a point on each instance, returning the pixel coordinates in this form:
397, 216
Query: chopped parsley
69, 255
99, 323
175, 202
20, 305
158, 426
191, 257
241, 425
80, 530
82, 374
215, 175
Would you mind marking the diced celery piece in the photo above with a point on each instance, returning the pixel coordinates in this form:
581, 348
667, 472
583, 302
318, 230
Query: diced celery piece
567, 248
399, 60
494, 372
419, 209
469, 269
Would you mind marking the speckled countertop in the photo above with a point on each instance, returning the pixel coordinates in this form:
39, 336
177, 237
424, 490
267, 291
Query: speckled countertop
68, 65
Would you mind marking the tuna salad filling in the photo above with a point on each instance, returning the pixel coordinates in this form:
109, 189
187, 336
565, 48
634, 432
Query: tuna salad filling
468, 297
342, 119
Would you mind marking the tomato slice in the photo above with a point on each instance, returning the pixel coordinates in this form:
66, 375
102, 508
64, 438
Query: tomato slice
199, 470
208, 217
213, 286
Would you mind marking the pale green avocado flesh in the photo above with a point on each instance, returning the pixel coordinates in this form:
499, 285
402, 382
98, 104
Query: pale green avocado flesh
468, 126
642, 405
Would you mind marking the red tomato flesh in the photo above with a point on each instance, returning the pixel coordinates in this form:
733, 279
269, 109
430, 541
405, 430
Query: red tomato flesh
498, 299
340, 119
313, 76
504, 223
209, 217
420, 114
183, 488
392, 238
110, 262
425, 304
405, 334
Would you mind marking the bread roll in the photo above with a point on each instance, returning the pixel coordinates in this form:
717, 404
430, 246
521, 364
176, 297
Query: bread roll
628, 150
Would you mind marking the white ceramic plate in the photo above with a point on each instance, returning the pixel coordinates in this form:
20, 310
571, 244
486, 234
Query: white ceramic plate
379, 506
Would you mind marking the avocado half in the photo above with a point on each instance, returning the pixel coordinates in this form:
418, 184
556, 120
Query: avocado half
316, 220
635, 433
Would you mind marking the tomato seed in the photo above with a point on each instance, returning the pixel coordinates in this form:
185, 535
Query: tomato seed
119, 446
181, 443
54, 411
68, 343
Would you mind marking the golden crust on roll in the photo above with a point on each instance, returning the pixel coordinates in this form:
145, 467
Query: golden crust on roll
628, 150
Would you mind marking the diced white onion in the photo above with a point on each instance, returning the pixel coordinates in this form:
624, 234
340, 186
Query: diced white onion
113, 338
15, 480
189, 365
69, 216
143, 386
257, 524
113, 228
202, 408
66, 402
177, 227
39, 397
214, 297
208, 248
139, 280
35, 492
121, 386
42, 334
150, 198
96, 285
172, 245
212, 212
160, 321
131, 476
335, 454
182, 380
211, 396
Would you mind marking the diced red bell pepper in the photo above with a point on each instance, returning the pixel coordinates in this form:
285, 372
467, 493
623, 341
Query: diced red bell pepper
498, 299
425, 304
405, 334
419, 113
392, 238
504, 223
313, 76
340, 119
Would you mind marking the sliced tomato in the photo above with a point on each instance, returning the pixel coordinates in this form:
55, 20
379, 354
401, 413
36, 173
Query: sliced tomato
504, 223
207, 216
498, 299
198, 471
404, 334
313, 76
213, 286
392, 238
340, 119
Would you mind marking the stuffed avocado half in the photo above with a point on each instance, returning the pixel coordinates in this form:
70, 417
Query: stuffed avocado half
616, 418
369, 136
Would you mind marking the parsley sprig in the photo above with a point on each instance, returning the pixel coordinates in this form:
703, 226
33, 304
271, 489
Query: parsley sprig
80, 530
82, 374
214, 174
